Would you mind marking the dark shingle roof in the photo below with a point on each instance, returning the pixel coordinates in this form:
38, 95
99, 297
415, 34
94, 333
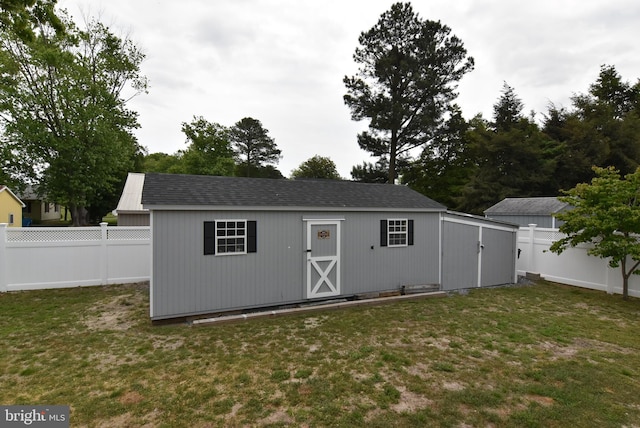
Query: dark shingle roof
530, 206
200, 190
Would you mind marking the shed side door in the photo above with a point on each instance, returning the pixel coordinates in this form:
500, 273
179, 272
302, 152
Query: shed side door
323, 258
460, 249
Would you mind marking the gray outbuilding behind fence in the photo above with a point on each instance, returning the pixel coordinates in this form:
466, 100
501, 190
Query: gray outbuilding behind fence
222, 244
525, 211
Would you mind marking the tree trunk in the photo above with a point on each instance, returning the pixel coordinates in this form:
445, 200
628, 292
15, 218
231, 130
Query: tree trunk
625, 286
393, 148
78, 215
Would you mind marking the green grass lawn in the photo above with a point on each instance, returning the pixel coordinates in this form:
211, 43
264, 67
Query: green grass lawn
530, 356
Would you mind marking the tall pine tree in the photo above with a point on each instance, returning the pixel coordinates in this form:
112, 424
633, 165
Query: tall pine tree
409, 70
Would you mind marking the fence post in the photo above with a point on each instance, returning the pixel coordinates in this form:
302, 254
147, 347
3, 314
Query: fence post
531, 255
3, 257
608, 278
104, 263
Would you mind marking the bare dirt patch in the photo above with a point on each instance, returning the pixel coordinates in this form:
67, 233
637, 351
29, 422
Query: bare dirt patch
421, 370
314, 322
131, 397
558, 352
277, 417
115, 313
410, 402
539, 399
453, 386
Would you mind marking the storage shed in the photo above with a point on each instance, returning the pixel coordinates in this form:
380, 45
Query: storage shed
130, 211
525, 211
223, 244
477, 252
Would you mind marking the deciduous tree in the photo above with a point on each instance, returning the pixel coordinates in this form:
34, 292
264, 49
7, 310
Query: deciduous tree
209, 151
409, 70
20, 16
606, 214
63, 111
317, 167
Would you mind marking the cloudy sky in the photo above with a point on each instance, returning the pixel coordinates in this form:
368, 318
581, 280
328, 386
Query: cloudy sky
282, 61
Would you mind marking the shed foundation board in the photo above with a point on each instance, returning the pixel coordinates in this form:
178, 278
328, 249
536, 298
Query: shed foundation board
309, 309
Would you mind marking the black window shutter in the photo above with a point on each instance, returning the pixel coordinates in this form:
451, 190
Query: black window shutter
209, 237
410, 232
252, 237
383, 233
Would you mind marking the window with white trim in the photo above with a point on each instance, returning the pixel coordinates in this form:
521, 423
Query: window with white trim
397, 232
231, 236
225, 237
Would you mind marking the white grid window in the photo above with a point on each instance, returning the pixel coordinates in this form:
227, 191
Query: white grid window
231, 236
397, 232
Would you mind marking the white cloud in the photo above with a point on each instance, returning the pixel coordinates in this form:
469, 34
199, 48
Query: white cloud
282, 61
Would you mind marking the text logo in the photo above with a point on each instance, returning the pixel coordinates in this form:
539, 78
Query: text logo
34, 416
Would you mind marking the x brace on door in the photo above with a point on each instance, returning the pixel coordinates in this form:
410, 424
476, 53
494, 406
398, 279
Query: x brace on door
324, 275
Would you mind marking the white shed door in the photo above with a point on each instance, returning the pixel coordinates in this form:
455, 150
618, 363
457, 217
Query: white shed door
323, 258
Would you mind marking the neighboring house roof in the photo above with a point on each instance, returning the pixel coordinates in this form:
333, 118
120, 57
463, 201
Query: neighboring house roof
172, 190
131, 198
4, 188
527, 206
30, 193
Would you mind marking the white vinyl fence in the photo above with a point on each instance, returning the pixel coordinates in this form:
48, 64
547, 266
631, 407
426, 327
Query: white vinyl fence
574, 266
58, 257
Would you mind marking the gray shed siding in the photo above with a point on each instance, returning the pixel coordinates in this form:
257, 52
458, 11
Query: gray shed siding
477, 252
498, 257
524, 220
459, 256
133, 219
186, 282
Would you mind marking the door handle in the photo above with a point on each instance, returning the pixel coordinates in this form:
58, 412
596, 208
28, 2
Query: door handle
308, 251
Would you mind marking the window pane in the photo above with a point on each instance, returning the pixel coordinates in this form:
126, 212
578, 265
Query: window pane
230, 236
397, 232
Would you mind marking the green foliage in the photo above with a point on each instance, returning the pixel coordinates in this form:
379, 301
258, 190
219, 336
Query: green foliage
264, 171
603, 129
508, 157
408, 75
209, 152
253, 144
317, 167
161, 162
445, 165
371, 173
471, 165
21, 16
64, 113
606, 215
